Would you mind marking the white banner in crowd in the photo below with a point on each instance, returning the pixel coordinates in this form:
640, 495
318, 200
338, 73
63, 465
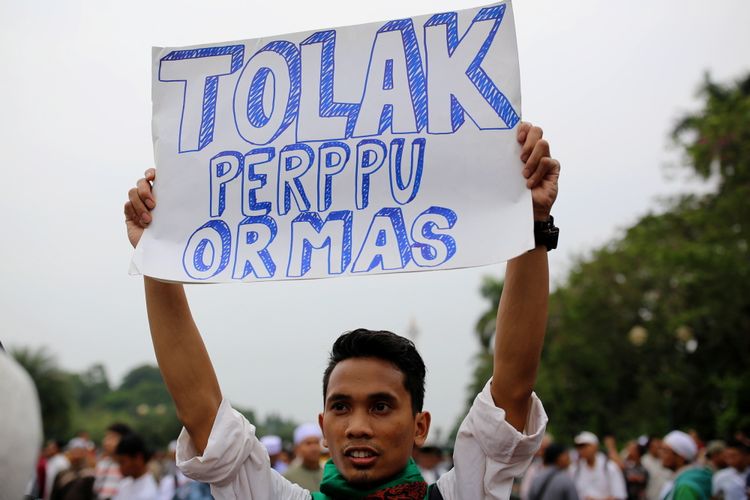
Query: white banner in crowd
383, 147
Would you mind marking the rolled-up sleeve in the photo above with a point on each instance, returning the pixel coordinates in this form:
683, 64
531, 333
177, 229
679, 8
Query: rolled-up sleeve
489, 452
234, 463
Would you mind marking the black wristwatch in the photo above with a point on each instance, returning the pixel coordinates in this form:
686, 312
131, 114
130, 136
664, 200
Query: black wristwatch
545, 233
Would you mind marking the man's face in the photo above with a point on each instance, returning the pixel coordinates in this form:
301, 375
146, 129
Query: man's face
129, 466
587, 451
368, 424
77, 457
563, 461
428, 460
670, 459
733, 458
309, 450
632, 451
654, 447
110, 442
51, 449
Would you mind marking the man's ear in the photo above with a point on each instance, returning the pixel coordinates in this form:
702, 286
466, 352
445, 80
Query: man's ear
422, 427
322, 430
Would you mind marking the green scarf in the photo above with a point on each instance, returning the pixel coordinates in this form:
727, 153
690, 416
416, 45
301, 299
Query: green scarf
409, 485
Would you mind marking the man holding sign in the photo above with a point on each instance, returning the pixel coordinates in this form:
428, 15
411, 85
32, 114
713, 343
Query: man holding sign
384, 147
373, 387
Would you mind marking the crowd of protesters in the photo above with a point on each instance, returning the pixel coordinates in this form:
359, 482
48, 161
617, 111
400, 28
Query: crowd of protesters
122, 467
677, 467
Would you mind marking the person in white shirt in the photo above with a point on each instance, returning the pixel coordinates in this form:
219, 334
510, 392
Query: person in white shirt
731, 483
373, 387
658, 475
108, 475
596, 477
137, 484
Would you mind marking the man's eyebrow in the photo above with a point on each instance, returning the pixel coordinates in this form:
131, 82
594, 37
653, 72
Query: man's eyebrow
376, 396
338, 396
382, 396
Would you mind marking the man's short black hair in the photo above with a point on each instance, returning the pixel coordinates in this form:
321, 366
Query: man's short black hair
132, 445
552, 453
385, 345
120, 428
431, 450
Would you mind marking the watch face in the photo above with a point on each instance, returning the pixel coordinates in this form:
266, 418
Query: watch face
554, 234
545, 233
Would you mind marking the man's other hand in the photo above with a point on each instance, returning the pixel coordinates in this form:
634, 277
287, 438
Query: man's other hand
540, 170
138, 207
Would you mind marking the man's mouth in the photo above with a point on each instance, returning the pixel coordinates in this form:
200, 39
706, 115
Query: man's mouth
361, 457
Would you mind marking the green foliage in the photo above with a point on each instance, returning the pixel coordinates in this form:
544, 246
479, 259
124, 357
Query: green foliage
141, 386
72, 402
484, 330
54, 389
651, 331
718, 136
90, 385
143, 375
279, 426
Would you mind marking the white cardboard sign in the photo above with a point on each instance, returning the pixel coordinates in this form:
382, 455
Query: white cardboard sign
383, 147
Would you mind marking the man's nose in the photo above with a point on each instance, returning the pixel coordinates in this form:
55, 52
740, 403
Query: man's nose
359, 425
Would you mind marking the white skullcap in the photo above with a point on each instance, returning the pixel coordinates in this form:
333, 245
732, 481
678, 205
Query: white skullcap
305, 431
77, 443
682, 444
586, 437
272, 444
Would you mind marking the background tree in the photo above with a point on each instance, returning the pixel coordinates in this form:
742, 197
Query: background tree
279, 426
53, 387
491, 289
650, 332
71, 402
717, 137
90, 385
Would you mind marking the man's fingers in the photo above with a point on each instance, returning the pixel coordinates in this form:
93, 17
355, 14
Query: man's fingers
523, 130
131, 216
144, 192
533, 135
142, 212
549, 168
555, 168
129, 211
534, 169
150, 174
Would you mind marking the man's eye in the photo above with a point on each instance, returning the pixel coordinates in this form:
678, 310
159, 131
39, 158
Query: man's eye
338, 407
381, 407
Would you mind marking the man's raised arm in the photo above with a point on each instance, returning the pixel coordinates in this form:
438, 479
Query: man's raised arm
180, 352
522, 312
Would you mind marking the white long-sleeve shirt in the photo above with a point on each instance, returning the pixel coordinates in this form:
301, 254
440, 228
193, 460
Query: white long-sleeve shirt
730, 483
603, 480
488, 453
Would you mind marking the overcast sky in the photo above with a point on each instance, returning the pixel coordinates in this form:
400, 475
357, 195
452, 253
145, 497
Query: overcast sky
606, 81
